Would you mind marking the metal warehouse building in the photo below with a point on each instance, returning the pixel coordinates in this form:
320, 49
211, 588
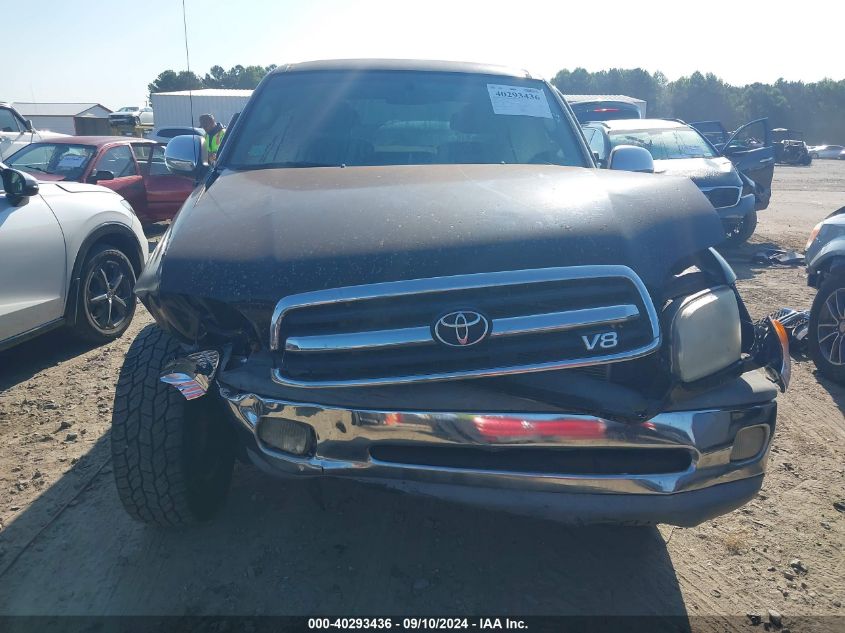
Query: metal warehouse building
68, 118
173, 109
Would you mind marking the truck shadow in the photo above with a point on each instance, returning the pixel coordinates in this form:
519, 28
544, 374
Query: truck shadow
334, 547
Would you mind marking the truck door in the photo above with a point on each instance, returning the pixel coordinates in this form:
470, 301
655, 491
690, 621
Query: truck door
166, 191
116, 169
751, 150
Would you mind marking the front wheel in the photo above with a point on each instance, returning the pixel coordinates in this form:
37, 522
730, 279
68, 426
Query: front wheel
105, 300
826, 343
739, 232
173, 458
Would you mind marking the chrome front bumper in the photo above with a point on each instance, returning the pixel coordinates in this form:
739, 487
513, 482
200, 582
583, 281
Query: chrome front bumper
712, 482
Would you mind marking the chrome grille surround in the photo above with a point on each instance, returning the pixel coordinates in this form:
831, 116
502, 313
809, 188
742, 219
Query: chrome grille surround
504, 327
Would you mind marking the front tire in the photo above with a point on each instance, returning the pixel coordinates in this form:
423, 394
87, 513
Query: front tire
826, 343
105, 302
173, 458
740, 232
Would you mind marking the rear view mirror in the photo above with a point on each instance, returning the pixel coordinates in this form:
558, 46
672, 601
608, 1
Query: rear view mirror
631, 158
18, 185
186, 155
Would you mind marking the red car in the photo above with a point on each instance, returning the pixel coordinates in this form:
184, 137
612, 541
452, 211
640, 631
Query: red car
133, 167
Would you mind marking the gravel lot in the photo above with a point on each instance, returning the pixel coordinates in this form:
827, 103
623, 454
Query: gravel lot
66, 546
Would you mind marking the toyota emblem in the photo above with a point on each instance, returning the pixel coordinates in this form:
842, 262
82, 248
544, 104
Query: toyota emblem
461, 328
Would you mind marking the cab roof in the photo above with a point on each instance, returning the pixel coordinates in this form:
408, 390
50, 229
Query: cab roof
422, 65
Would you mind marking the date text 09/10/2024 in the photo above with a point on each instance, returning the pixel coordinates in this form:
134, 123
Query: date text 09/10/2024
412, 624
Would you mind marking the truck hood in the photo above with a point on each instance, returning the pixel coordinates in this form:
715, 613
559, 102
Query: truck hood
708, 172
254, 237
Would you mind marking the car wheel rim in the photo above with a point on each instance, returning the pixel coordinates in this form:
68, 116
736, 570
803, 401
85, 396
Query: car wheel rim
108, 293
831, 328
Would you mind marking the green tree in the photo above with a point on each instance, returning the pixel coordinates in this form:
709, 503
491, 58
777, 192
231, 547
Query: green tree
240, 77
701, 98
215, 77
171, 81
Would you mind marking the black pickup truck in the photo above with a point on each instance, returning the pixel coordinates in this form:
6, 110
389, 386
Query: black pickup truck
413, 274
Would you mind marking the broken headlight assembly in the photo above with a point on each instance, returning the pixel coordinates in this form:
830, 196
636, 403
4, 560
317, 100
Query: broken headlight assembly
705, 334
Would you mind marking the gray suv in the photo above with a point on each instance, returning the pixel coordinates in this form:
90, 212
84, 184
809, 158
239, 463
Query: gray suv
826, 272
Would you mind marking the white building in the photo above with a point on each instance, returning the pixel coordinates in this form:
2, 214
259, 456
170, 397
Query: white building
68, 118
183, 108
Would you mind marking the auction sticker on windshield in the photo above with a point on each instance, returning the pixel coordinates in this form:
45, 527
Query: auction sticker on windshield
518, 100
70, 160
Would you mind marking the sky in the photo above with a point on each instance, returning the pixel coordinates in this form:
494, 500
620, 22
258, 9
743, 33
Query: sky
107, 51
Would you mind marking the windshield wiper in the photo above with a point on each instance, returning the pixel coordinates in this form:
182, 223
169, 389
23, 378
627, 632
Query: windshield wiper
41, 169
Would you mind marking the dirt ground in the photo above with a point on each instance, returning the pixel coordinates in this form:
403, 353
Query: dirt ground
66, 546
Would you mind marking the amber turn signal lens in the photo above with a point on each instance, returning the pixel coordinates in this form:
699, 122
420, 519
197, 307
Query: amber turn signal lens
813, 235
786, 367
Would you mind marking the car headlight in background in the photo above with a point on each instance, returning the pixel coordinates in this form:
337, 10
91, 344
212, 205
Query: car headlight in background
813, 234
706, 334
823, 232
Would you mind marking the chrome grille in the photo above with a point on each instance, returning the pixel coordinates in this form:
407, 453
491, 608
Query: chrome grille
541, 319
721, 197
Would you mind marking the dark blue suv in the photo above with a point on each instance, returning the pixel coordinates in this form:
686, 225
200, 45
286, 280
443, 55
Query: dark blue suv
736, 177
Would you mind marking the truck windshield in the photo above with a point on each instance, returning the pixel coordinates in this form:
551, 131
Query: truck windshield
666, 144
328, 118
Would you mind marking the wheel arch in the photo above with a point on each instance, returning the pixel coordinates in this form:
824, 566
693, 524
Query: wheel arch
832, 262
113, 234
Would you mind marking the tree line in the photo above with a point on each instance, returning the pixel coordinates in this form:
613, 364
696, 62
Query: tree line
237, 77
816, 108
813, 108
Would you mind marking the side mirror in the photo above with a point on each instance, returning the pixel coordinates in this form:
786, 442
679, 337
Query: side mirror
18, 185
28, 125
100, 174
631, 158
186, 155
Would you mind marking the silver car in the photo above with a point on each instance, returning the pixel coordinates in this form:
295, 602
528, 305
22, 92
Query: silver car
827, 151
69, 256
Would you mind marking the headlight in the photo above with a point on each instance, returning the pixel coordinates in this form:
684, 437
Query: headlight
813, 234
706, 334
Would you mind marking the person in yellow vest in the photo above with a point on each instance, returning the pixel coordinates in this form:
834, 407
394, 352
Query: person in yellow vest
213, 136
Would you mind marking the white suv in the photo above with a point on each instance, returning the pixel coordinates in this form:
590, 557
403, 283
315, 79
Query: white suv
15, 132
69, 255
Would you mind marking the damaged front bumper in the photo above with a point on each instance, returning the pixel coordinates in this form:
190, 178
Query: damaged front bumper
680, 467
703, 454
